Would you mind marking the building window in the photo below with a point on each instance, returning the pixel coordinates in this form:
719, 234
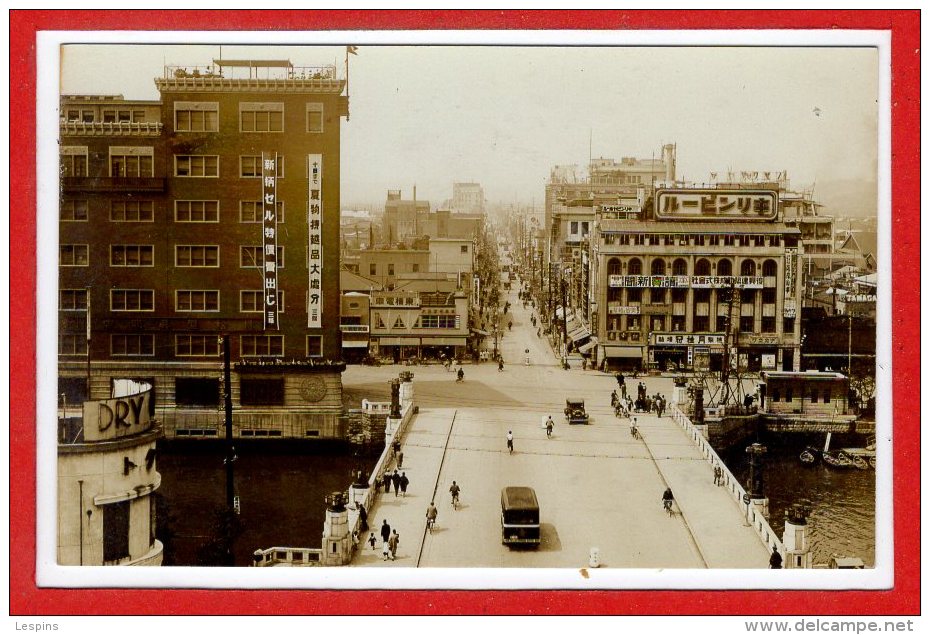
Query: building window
437, 322
261, 117
314, 117
131, 344
197, 256
196, 346
788, 325
261, 346
197, 391
72, 300
73, 255
789, 395
464, 249
132, 255
748, 268
635, 267
634, 295
399, 323
826, 395
679, 295
658, 296
746, 323
196, 116
680, 267
197, 300
132, 162
702, 267
379, 323
729, 241
254, 301
658, 267
415, 267
725, 267
768, 324
314, 346
251, 256
813, 395
254, 212
132, 300
115, 531
117, 116
372, 269
73, 211
701, 323
73, 161
261, 391
391, 269
132, 211
678, 323
72, 344
614, 267
197, 211
250, 166
196, 165
769, 268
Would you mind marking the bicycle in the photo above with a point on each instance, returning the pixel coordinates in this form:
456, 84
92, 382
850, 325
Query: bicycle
455, 502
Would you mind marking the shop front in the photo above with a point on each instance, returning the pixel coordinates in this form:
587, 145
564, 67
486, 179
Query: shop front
621, 358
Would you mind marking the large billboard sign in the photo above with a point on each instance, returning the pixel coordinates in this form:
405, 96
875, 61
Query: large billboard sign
270, 240
715, 205
115, 418
685, 282
315, 238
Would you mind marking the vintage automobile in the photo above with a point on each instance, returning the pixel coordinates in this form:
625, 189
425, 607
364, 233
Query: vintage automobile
574, 411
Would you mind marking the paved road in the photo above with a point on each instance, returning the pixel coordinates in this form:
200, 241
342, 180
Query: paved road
597, 486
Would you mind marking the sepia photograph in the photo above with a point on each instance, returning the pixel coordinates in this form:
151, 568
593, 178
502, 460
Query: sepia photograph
458, 310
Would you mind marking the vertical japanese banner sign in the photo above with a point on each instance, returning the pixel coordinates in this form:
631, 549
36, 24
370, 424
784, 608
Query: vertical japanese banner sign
315, 238
270, 240
790, 266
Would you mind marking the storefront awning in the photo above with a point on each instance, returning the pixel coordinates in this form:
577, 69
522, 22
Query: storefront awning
354, 343
443, 341
623, 351
584, 348
480, 332
579, 333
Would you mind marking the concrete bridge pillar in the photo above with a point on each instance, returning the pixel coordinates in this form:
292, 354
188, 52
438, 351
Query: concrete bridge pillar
337, 547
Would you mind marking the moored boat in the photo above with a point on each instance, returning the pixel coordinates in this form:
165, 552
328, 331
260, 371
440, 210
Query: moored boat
837, 459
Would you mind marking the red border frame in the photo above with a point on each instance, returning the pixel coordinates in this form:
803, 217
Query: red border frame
903, 599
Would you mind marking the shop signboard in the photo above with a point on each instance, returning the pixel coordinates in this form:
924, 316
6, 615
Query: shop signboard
716, 205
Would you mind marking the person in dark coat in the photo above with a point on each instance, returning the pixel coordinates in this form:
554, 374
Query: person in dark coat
404, 482
362, 517
387, 483
396, 480
775, 559
385, 530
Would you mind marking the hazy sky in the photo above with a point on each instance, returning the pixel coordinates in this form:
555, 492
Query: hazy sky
502, 116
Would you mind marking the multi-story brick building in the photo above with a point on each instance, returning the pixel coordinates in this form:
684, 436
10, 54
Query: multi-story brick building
211, 212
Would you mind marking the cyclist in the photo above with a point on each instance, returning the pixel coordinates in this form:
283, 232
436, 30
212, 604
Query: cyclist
634, 431
431, 513
454, 490
667, 499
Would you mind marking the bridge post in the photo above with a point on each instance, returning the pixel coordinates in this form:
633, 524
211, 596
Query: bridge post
797, 547
337, 548
757, 478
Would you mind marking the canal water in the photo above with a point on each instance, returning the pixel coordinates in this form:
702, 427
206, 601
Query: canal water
842, 501
281, 495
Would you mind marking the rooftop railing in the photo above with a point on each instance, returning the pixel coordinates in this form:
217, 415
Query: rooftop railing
254, 71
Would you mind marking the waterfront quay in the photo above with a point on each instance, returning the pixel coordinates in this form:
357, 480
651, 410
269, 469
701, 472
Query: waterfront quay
598, 487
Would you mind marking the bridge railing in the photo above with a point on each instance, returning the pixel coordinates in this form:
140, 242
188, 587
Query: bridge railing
750, 512
287, 556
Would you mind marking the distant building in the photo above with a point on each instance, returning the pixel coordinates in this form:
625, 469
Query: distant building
468, 198
401, 221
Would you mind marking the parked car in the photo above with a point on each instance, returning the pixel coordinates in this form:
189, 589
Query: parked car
574, 411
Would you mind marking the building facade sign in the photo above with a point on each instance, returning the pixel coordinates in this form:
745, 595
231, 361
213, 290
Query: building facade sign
686, 339
684, 282
714, 205
270, 239
791, 263
315, 238
859, 297
762, 340
115, 418
615, 308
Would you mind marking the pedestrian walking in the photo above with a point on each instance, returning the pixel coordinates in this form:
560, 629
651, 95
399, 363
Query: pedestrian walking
385, 530
395, 448
510, 441
500, 365
355, 540
393, 541
623, 388
386, 480
395, 478
549, 424
372, 540
619, 377
400, 459
385, 549
613, 398
404, 482
584, 363
362, 517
